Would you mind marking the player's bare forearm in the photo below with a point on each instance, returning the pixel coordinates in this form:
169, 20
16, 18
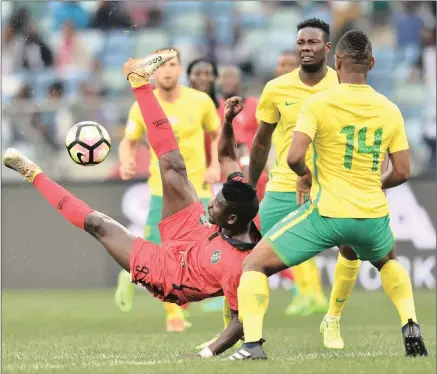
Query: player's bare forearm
229, 336
227, 144
297, 152
260, 150
299, 167
399, 172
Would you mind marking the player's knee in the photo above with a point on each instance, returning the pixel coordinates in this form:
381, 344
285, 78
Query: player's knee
94, 224
388, 257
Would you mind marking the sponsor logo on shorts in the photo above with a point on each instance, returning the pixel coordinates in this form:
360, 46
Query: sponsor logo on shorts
215, 257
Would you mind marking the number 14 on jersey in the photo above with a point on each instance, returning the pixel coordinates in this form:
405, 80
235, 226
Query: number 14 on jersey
373, 149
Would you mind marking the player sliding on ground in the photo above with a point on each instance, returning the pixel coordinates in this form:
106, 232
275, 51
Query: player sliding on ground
196, 259
350, 127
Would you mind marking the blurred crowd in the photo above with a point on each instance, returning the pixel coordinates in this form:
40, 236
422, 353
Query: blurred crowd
61, 61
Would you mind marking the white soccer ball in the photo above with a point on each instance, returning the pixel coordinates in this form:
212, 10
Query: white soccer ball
88, 143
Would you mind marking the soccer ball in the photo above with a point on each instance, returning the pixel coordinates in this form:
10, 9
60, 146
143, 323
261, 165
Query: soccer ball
88, 143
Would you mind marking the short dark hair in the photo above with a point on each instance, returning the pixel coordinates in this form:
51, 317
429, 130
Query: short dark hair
241, 200
356, 46
317, 24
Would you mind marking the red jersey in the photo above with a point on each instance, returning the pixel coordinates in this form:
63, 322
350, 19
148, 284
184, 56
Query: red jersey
195, 261
212, 267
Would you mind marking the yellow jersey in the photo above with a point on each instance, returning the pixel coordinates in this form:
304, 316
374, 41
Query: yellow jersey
190, 114
352, 127
280, 103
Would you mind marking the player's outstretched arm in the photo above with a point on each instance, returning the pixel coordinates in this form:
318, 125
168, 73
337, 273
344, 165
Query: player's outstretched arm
227, 339
227, 145
259, 153
400, 170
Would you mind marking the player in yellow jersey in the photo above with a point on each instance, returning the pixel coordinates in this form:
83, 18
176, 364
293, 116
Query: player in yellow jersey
277, 112
190, 112
350, 128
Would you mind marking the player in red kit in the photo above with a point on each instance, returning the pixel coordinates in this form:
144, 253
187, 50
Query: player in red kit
196, 259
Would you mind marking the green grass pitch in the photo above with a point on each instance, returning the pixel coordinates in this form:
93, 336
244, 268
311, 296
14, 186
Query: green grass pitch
84, 332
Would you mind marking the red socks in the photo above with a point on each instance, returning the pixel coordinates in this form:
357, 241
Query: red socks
159, 132
73, 209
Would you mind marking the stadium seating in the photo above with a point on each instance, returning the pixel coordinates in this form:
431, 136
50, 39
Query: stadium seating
149, 41
118, 47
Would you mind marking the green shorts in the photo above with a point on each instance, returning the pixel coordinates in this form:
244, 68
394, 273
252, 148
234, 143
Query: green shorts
274, 207
151, 231
304, 233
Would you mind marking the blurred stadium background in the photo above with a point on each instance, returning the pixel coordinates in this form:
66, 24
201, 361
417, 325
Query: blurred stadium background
62, 63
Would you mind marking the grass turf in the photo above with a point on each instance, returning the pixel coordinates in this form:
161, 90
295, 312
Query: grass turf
84, 332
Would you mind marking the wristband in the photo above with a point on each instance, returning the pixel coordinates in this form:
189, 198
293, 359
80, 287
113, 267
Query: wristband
206, 352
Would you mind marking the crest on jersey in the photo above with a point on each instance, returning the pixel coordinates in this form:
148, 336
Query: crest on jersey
203, 221
215, 257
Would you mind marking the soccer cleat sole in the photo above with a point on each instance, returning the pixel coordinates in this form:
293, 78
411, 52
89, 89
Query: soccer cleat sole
415, 347
145, 67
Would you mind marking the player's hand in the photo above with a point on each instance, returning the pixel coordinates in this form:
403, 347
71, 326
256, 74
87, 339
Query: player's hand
128, 170
212, 175
233, 107
303, 187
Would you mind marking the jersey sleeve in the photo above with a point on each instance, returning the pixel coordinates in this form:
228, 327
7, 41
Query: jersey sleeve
211, 119
266, 110
135, 126
230, 290
399, 141
308, 121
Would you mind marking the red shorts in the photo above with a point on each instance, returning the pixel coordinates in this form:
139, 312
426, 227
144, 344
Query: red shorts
156, 266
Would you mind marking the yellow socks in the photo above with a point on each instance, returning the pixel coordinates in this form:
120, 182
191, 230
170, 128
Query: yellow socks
397, 285
345, 275
173, 311
316, 282
302, 277
253, 300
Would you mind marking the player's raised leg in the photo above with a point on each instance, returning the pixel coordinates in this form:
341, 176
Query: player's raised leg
114, 237
178, 193
397, 285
